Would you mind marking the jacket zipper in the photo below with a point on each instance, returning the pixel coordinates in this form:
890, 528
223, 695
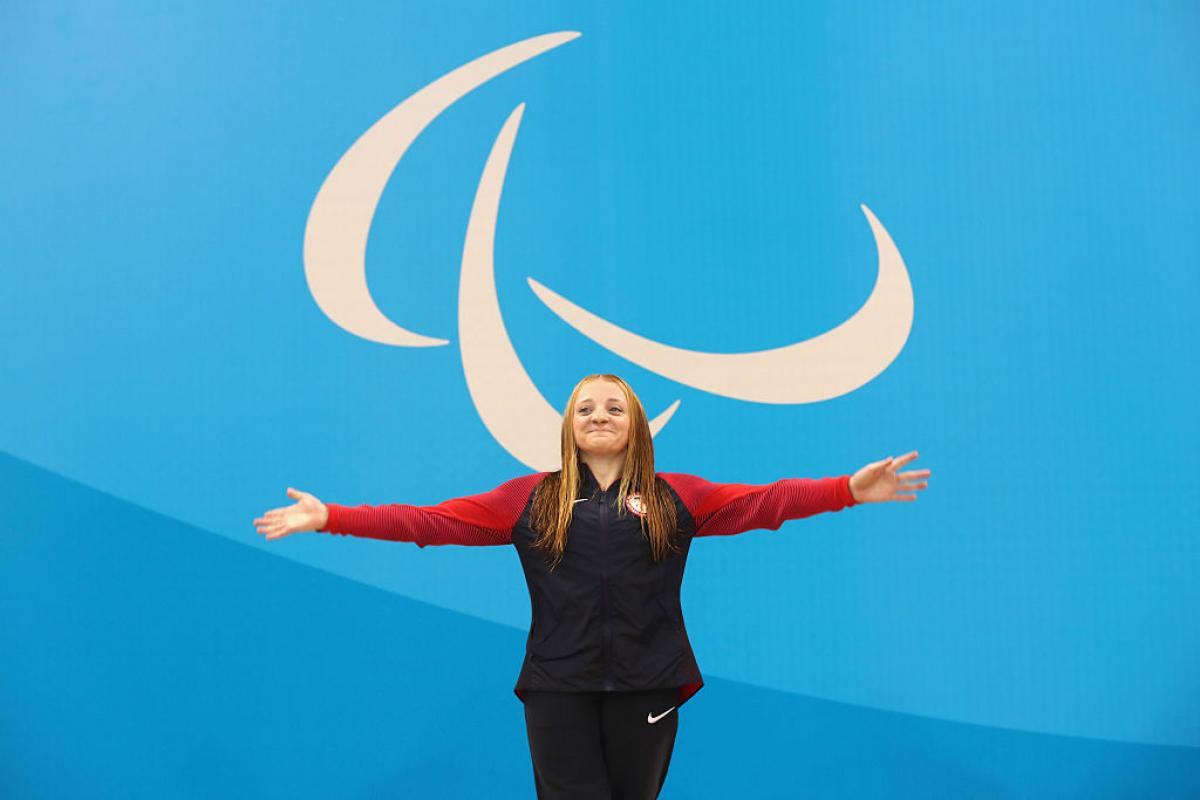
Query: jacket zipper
607, 641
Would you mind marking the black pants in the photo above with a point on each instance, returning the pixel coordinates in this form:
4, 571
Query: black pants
601, 745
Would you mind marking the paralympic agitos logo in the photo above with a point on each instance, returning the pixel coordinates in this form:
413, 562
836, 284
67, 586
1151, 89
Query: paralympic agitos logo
510, 405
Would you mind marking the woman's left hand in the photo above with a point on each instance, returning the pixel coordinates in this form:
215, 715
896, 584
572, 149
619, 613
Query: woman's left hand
879, 482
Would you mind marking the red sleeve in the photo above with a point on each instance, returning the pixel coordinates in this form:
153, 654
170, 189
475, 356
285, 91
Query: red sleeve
720, 509
478, 519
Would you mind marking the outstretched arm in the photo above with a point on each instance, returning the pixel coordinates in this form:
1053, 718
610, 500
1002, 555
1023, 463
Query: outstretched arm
721, 509
480, 519
727, 508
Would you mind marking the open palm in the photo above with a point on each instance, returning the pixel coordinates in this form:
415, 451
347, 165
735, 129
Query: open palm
879, 482
307, 514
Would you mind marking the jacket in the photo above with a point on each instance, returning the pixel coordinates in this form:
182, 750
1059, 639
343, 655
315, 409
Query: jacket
607, 618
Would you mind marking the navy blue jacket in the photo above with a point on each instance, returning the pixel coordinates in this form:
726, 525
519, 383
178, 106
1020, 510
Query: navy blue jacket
608, 617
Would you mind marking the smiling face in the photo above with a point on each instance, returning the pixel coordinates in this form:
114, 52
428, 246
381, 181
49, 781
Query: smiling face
601, 418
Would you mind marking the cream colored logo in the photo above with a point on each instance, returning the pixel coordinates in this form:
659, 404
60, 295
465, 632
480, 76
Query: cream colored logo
512, 408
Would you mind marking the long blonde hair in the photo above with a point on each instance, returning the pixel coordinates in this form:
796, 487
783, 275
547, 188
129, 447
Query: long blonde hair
556, 493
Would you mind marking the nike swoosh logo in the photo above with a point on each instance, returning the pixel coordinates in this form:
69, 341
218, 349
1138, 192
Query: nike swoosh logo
653, 719
582, 500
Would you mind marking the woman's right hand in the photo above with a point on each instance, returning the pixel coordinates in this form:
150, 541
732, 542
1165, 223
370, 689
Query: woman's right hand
308, 514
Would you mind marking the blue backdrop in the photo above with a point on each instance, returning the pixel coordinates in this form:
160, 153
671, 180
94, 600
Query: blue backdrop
693, 173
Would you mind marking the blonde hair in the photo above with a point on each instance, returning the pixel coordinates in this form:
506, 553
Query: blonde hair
555, 497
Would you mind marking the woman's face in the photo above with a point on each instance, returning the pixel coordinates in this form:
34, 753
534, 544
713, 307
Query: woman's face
601, 418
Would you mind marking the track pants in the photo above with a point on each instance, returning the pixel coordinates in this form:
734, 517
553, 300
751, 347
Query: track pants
601, 745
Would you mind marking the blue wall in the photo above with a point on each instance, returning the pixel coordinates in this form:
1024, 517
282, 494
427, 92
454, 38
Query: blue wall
691, 173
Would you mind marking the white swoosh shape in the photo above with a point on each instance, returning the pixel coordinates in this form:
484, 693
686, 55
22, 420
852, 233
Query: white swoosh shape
335, 238
508, 402
829, 365
653, 719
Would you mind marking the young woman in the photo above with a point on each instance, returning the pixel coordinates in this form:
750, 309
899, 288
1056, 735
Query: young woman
603, 542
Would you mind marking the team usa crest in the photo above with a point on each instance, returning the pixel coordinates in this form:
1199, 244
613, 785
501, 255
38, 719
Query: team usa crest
634, 503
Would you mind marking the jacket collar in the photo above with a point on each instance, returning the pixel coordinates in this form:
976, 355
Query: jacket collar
587, 481
588, 485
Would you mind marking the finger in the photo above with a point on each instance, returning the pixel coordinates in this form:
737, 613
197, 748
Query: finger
879, 465
905, 498
906, 458
915, 473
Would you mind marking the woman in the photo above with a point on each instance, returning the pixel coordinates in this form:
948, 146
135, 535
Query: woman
603, 542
